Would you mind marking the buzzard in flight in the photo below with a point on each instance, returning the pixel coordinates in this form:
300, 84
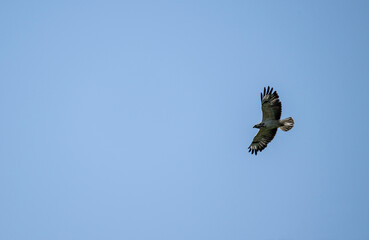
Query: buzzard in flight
272, 109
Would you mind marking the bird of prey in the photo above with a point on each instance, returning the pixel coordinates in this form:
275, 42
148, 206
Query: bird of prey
272, 109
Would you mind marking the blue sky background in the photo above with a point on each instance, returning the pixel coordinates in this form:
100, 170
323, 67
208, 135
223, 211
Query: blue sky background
131, 120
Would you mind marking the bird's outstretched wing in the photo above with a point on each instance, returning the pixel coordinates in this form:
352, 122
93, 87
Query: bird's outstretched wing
261, 140
270, 104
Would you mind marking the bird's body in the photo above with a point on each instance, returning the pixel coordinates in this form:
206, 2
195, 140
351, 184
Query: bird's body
271, 123
272, 110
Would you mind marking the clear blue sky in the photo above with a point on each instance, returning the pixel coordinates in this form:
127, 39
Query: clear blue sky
131, 120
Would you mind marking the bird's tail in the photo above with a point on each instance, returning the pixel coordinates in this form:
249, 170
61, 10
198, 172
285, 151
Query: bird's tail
287, 124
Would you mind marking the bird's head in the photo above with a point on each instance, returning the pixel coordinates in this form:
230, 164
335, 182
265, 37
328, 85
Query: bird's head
259, 125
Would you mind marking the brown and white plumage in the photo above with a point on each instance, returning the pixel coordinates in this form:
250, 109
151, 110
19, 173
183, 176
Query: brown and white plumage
272, 108
261, 140
270, 104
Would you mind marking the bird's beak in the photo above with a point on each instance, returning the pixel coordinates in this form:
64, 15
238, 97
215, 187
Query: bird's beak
254, 126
